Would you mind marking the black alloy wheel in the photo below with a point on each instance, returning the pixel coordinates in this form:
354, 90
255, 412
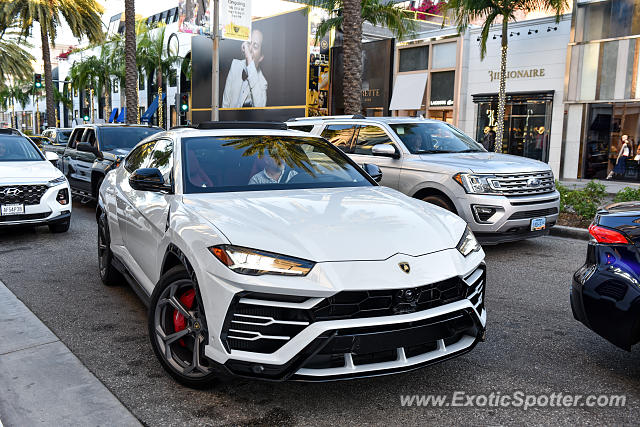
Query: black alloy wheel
178, 329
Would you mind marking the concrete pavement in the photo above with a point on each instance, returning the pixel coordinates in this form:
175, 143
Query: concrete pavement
42, 382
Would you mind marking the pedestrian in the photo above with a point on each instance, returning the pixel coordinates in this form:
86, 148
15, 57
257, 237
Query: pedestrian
621, 162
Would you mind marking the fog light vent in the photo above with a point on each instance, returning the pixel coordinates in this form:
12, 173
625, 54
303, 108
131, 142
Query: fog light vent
483, 213
63, 196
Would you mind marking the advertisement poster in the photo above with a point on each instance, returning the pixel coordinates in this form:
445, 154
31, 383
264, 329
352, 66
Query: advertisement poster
193, 16
318, 85
235, 19
267, 71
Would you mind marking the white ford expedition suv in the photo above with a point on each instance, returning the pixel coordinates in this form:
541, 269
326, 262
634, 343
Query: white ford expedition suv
502, 197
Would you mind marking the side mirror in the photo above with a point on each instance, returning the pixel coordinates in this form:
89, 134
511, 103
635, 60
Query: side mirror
148, 179
52, 157
373, 171
88, 148
385, 150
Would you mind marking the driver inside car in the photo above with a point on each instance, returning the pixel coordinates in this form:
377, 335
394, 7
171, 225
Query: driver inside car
273, 172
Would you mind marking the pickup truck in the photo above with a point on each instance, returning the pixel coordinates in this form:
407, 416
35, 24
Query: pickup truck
95, 149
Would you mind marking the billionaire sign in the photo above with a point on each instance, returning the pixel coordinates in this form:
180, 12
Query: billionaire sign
518, 74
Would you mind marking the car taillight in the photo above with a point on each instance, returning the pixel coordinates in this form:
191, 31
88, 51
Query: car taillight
607, 235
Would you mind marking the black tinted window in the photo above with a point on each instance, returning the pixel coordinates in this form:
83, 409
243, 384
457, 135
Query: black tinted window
306, 128
18, 149
368, 136
75, 137
340, 136
162, 158
136, 159
123, 138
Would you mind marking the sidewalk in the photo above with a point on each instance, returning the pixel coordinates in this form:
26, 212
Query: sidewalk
612, 187
42, 382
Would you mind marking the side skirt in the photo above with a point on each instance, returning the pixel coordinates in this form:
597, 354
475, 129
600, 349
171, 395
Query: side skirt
137, 288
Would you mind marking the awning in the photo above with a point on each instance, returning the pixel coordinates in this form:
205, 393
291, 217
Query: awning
408, 91
122, 116
114, 114
146, 117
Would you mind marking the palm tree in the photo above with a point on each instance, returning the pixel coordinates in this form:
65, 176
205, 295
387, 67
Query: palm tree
82, 16
501, 11
16, 61
154, 57
131, 68
16, 92
349, 15
85, 76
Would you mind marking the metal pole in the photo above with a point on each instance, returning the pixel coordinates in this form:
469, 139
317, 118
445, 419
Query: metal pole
215, 62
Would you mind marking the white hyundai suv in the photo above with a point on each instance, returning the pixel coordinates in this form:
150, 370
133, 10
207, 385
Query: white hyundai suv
268, 253
32, 190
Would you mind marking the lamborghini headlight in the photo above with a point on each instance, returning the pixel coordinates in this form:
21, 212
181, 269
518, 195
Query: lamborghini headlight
468, 243
256, 263
478, 184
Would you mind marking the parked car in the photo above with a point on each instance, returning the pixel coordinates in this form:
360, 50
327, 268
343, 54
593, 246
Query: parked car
39, 140
605, 295
94, 149
502, 197
270, 254
32, 190
59, 138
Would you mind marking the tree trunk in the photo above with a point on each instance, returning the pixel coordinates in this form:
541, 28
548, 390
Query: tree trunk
131, 68
502, 95
48, 79
352, 48
160, 103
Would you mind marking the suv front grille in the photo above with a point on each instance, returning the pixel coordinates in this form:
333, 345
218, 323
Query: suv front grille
524, 183
263, 323
22, 194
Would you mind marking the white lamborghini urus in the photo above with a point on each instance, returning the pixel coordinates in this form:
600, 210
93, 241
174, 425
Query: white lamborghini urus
268, 253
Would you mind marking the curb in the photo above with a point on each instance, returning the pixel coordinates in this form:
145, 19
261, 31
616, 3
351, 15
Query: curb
570, 232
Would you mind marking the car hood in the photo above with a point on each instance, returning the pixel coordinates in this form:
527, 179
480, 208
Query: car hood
27, 172
485, 162
339, 224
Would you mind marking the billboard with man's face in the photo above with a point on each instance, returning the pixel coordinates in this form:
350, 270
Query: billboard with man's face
264, 78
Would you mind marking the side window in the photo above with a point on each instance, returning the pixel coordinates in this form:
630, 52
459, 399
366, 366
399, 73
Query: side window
89, 136
305, 128
368, 136
75, 136
340, 136
162, 158
136, 159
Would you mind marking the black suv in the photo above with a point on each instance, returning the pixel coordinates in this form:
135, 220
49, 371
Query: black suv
95, 149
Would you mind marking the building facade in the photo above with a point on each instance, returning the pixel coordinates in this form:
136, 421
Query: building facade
602, 93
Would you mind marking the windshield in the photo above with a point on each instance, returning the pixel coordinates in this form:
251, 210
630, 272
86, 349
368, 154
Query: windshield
431, 137
252, 163
124, 138
18, 149
63, 136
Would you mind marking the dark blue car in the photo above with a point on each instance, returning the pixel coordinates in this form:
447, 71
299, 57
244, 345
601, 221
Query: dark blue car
605, 294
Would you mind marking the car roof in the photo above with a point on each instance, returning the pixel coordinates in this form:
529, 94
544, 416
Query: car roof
191, 132
115, 125
302, 121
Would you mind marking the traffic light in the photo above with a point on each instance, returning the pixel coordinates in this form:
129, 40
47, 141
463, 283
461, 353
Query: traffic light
85, 115
37, 81
184, 102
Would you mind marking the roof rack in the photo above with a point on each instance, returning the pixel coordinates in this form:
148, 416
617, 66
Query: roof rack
346, 116
241, 125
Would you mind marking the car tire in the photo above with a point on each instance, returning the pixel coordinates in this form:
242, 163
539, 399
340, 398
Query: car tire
178, 330
441, 202
61, 227
108, 273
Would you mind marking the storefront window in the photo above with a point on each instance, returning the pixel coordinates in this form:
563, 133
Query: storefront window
442, 86
611, 149
414, 58
606, 19
444, 55
527, 124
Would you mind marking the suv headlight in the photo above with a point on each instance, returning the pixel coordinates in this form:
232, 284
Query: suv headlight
476, 184
468, 243
256, 263
57, 181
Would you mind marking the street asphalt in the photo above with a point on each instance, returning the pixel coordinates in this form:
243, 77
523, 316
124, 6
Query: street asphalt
533, 345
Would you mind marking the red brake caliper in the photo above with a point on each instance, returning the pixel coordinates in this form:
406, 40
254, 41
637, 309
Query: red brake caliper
179, 322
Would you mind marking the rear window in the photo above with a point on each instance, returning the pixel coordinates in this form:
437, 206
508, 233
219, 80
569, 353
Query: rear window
124, 138
63, 136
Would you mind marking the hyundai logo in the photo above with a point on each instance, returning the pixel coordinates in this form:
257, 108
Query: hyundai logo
11, 192
533, 182
406, 295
